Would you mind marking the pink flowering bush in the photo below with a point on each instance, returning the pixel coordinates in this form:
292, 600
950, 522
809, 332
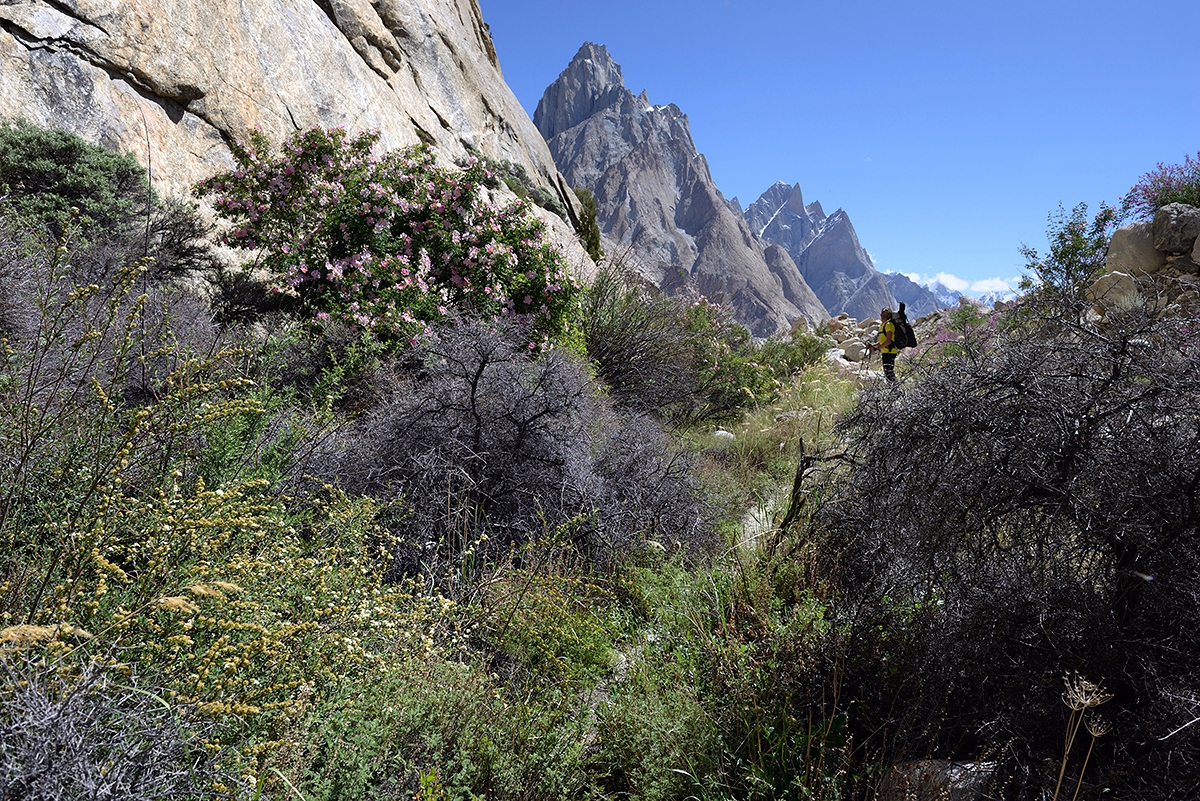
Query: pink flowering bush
1166, 183
387, 244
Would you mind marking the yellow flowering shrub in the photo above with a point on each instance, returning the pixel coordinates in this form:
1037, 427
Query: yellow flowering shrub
229, 598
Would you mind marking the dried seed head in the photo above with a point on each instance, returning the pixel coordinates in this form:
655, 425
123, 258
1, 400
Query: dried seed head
1082, 694
177, 603
1097, 726
27, 634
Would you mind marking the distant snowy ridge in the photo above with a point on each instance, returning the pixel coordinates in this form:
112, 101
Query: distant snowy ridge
951, 297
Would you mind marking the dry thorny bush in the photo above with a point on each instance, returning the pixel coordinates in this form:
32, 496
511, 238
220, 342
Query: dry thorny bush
67, 734
487, 448
1021, 512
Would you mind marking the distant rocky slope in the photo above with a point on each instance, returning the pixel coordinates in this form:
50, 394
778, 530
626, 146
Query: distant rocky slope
830, 258
656, 201
175, 81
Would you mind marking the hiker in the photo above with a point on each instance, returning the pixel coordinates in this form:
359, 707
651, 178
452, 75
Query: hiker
887, 344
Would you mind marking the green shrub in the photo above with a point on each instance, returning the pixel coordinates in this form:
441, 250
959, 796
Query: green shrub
736, 660
551, 622
655, 740
787, 357
421, 724
589, 230
1078, 250
683, 360
57, 182
114, 549
46, 173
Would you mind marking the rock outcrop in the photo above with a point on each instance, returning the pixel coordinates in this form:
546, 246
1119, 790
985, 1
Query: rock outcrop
1156, 263
175, 81
1175, 228
1131, 250
830, 257
657, 205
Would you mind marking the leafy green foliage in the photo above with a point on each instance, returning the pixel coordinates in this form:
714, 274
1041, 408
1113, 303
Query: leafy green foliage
790, 356
683, 360
387, 244
1078, 248
59, 184
44, 174
655, 738
589, 230
436, 729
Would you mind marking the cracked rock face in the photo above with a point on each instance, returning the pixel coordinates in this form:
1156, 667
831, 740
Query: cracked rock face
174, 81
657, 205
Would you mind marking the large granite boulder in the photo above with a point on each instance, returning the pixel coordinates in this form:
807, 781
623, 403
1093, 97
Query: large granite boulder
657, 205
1131, 250
1111, 291
174, 81
1176, 228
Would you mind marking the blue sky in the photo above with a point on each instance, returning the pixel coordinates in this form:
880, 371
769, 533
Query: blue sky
947, 130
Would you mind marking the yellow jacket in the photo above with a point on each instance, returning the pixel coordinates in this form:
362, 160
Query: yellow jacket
887, 333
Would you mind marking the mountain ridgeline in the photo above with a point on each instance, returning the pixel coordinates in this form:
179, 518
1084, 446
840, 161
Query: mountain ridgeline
659, 209
657, 205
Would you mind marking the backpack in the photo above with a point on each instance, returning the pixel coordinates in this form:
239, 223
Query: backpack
904, 336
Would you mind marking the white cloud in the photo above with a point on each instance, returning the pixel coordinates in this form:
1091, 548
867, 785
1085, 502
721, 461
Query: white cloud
952, 281
994, 285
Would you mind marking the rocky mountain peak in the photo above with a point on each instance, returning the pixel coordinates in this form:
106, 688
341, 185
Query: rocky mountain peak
829, 255
589, 84
655, 198
779, 217
838, 224
795, 201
